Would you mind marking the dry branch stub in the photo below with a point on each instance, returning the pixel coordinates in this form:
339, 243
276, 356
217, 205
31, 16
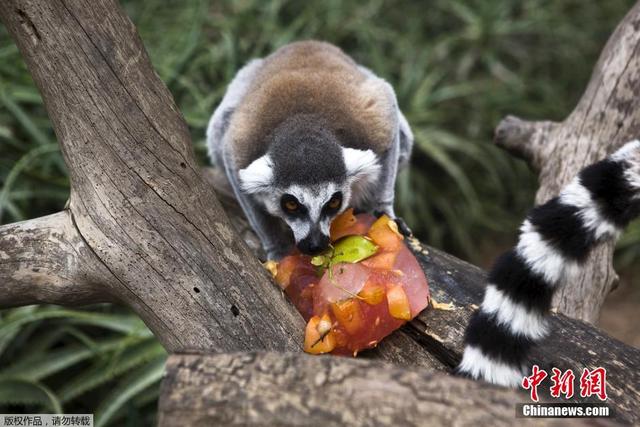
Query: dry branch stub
45, 260
607, 116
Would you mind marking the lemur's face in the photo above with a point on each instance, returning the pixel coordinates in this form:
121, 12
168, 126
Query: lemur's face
309, 207
308, 210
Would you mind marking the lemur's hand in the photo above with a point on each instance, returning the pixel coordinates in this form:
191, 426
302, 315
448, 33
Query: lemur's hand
403, 228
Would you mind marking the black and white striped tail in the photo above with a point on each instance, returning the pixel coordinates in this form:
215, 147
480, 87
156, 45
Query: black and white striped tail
555, 240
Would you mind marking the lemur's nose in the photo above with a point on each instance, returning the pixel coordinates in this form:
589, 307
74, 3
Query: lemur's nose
314, 243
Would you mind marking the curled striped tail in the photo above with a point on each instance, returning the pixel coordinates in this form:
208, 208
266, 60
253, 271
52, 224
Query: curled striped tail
554, 243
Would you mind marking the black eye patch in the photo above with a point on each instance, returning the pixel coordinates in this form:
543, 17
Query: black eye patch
333, 205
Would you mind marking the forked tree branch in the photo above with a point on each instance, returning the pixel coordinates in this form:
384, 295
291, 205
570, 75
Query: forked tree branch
607, 116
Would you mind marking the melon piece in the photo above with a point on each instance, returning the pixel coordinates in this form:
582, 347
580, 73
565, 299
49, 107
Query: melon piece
384, 233
357, 294
381, 261
372, 293
349, 315
285, 269
346, 224
398, 303
318, 336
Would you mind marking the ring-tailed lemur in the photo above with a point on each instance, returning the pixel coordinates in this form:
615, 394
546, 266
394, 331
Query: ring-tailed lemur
306, 132
555, 240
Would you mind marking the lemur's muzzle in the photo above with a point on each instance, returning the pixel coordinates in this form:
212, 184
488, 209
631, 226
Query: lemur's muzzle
315, 243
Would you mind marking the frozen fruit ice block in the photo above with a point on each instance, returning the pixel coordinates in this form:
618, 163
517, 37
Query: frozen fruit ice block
365, 287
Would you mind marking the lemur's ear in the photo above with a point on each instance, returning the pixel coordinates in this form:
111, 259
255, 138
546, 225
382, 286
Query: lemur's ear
362, 165
258, 176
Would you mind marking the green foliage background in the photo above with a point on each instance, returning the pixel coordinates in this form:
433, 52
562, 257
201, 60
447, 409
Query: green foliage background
458, 67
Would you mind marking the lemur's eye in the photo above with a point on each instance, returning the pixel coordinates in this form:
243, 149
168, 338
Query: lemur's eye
290, 204
335, 201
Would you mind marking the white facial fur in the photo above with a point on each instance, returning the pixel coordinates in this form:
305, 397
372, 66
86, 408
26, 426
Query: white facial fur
362, 168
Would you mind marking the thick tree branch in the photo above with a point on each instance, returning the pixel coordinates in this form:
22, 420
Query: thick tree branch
45, 260
607, 116
268, 389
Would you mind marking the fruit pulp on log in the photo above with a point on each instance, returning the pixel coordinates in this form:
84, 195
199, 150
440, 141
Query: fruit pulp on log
361, 291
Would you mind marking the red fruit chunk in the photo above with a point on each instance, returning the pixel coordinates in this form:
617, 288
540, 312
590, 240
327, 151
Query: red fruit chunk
298, 277
413, 280
353, 306
345, 282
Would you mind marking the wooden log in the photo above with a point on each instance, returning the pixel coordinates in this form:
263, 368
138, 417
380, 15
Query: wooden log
276, 389
607, 116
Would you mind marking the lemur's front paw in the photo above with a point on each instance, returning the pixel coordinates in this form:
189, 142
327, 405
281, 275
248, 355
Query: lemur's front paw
403, 228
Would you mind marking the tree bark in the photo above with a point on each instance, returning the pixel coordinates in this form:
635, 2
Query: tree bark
607, 116
46, 261
138, 202
269, 389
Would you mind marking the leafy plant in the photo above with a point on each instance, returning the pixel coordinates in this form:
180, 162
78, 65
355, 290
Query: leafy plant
52, 359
